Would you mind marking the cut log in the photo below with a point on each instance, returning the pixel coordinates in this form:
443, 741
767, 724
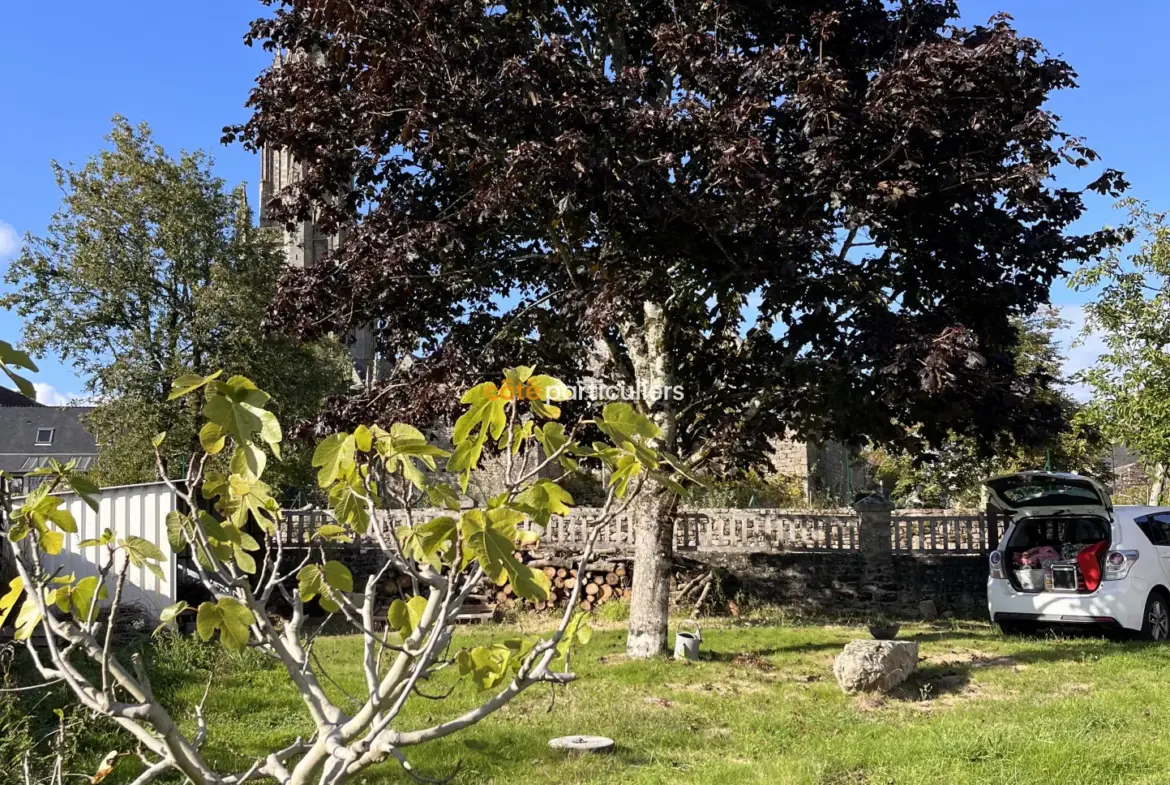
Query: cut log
592, 589
612, 579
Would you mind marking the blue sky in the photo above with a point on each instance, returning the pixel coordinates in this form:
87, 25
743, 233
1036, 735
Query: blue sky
68, 66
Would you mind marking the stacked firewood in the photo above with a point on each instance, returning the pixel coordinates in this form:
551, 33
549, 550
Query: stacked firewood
686, 589
601, 582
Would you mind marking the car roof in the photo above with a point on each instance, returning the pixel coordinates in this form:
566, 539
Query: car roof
1130, 512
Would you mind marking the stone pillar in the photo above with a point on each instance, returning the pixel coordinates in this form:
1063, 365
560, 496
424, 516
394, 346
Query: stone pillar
873, 530
878, 589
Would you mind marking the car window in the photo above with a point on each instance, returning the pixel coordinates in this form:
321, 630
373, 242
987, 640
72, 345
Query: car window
1156, 528
1048, 494
1162, 524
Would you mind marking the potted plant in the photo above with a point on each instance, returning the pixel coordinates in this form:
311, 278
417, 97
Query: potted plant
883, 628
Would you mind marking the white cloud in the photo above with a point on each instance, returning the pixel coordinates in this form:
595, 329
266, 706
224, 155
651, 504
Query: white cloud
9, 240
1080, 351
49, 396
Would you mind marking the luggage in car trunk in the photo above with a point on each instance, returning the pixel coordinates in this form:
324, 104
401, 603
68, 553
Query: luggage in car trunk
1060, 530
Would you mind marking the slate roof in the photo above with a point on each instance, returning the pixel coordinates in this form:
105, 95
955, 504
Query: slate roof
13, 398
18, 435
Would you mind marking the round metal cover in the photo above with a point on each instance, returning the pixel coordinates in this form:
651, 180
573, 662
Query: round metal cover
582, 744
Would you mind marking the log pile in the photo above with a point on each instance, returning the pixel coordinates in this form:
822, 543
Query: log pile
601, 581
685, 590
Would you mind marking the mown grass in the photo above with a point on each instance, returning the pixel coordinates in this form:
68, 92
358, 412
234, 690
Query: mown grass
762, 707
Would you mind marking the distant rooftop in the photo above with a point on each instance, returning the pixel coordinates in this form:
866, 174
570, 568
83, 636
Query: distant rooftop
13, 398
30, 435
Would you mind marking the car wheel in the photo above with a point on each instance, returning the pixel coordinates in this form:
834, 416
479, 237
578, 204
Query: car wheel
1018, 628
1156, 621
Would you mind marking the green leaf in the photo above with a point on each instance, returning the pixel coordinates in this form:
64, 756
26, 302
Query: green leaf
158, 439
350, 505
241, 495
405, 616
244, 560
40, 509
551, 437
140, 551
188, 383
316, 580
230, 617
490, 538
212, 438
247, 457
335, 457
363, 439
236, 406
175, 527
11, 357
28, 619
8, 601
52, 542
432, 542
578, 631
543, 499
443, 495
169, 614
85, 488
487, 665
331, 532
549, 389
83, 595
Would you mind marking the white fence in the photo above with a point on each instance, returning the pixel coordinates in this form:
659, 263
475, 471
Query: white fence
128, 511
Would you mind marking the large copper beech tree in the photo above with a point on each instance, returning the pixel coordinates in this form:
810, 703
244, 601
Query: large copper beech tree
816, 217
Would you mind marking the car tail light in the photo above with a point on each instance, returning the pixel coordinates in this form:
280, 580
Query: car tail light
995, 559
1117, 564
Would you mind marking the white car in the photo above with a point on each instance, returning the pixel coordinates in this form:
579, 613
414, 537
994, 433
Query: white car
1069, 557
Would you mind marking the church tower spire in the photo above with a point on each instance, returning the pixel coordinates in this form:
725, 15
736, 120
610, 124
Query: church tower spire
304, 244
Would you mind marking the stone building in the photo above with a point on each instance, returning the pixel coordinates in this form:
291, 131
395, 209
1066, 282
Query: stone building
829, 473
304, 244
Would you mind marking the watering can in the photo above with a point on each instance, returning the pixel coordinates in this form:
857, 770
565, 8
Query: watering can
686, 644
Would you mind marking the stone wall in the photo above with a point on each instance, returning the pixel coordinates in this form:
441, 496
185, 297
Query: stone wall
838, 583
844, 563
813, 583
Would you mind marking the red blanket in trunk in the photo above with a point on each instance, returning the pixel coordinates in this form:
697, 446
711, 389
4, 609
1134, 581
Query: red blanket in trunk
1089, 563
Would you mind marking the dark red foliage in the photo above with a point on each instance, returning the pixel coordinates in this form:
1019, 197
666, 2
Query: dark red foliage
518, 177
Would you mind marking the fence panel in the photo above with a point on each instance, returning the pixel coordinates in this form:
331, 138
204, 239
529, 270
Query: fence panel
953, 532
127, 511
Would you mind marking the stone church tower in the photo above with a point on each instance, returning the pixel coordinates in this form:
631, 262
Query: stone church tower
305, 244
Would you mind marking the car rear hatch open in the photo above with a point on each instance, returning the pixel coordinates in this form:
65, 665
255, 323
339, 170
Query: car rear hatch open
1047, 493
1060, 530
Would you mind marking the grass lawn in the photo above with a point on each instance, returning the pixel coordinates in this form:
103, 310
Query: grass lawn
762, 707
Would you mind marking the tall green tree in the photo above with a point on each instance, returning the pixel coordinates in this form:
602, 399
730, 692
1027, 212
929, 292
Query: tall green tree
151, 268
1130, 382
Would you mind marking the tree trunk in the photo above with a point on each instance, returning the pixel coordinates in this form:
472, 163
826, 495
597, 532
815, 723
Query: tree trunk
1158, 482
651, 365
653, 555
